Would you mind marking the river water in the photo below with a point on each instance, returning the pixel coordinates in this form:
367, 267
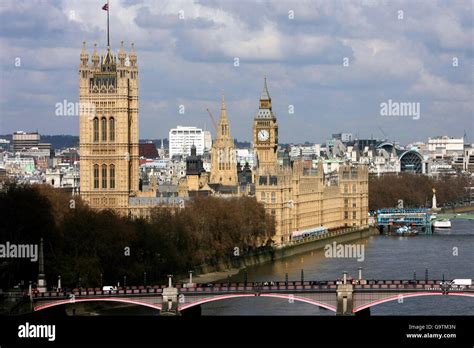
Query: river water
449, 252
385, 257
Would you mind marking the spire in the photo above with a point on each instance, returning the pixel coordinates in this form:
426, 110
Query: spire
223, 110
265, 95
95, 56
223, 102
121, 54
133, 56
265, 109
108, 58
223, 125
84, 55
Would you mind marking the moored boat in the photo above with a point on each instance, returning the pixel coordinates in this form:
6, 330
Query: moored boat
445, 223
406, 231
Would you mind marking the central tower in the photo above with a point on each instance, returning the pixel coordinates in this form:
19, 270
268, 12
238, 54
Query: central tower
224, 165
265, 133
108, 92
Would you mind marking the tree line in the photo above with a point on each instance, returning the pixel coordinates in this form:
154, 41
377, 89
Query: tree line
415, 190
91, 248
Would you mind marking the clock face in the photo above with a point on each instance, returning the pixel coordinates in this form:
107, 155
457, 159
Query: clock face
263, 135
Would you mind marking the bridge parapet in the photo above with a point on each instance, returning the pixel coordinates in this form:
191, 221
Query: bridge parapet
345, 297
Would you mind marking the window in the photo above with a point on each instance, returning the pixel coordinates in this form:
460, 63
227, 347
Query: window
104, 176
96, 176
346, 202
96, 129
262, 196
112, 176
112, 129
346, 188
104, 129
354, 215
273, 197
354, 188
346, 215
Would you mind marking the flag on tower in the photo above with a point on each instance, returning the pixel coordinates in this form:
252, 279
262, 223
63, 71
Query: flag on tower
106, 8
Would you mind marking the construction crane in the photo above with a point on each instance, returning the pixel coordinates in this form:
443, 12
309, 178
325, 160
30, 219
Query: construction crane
212, 119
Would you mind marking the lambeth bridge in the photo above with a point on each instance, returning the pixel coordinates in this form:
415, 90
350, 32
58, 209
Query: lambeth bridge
344, 296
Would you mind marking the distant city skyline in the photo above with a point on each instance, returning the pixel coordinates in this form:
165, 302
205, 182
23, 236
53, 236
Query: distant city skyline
240, 141
333, 63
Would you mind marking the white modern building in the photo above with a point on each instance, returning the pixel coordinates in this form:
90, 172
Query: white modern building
440, 147
207, 140
182, 138
19, 165
245, 156
344, 137
305, 150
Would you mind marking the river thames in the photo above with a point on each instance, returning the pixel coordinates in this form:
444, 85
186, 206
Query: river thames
386, 257
449, 252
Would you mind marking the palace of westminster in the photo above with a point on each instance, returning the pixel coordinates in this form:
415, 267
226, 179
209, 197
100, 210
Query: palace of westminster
296, 192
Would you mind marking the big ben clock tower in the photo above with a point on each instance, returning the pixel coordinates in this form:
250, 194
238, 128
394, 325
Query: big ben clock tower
265, 133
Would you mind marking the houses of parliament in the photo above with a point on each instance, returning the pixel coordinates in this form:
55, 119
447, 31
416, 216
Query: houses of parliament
296, 193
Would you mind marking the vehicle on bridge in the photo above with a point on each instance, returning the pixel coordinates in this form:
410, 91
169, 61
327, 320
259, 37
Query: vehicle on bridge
109, 288
461, 282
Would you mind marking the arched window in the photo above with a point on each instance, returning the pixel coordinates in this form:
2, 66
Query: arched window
104, 129
104, 176
96, 176
112, 176
95, 123
112, 129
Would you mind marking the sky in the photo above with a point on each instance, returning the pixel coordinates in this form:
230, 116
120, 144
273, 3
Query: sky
332, 62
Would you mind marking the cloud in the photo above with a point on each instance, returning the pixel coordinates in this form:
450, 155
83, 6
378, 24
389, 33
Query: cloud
187, 49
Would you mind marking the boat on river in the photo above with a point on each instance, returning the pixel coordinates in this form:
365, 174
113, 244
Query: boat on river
445, 223
406, 231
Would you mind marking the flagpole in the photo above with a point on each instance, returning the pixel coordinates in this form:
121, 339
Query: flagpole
108, 37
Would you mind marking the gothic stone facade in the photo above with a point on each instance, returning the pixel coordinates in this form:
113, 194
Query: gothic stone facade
108, 88
299, 197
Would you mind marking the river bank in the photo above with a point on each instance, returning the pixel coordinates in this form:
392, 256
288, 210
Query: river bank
221, 271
